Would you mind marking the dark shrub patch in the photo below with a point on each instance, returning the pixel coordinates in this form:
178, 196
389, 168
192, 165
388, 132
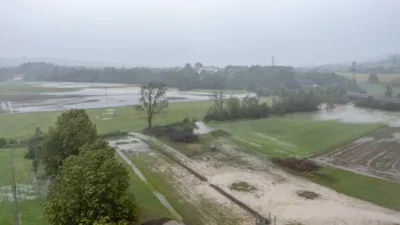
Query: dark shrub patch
300, 165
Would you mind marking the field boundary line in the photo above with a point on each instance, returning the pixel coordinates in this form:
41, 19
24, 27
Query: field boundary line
161, 147
158, 195
380, 128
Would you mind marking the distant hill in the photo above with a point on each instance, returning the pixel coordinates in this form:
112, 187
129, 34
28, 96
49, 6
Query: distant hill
384, 64
8, 62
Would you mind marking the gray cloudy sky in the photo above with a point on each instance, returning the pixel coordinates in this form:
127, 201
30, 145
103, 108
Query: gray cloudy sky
218, 32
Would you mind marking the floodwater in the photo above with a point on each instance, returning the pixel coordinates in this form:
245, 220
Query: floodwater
202, 128
350, 113
95, 95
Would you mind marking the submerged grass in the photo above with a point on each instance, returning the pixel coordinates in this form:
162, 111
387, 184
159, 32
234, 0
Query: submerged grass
280, 136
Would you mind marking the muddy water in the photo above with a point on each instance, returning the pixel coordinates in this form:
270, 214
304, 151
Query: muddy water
352, 114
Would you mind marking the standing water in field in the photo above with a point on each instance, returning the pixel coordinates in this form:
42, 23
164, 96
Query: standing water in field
352, 114
202, 128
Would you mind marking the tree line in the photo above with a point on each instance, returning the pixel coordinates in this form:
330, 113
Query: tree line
264, 80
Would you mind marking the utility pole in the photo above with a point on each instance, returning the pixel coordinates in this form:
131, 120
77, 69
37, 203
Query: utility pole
353, 70
273, 61
14, 190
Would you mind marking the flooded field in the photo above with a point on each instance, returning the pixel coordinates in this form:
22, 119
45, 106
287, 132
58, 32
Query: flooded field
86, 95
376, 155
353, 114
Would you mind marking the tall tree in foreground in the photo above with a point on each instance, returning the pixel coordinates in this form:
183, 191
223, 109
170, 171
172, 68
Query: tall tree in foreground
72, 130
152, 101
92, 189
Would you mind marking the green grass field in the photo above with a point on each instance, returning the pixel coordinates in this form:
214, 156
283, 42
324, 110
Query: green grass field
378, 89
150, 207
377, 191
363, 77
280, 136
30, 211
162, 184
20, 126
20, 87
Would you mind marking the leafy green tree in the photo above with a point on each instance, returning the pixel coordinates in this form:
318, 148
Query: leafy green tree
152, 101
373, 78
72, 130
34, 143
92, 189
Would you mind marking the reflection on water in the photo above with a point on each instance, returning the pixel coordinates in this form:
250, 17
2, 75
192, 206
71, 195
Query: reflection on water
98, 95
352, 114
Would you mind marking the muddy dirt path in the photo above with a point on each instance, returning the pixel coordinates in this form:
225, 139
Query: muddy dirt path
276, 192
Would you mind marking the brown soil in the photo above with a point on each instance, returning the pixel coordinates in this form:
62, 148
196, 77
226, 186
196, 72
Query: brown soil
378, 155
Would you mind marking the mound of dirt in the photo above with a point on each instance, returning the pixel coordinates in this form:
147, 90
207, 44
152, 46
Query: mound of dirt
300, 165
177, 132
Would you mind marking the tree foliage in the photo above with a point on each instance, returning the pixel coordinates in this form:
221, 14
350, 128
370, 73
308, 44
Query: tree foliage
152, 101
264, 80
91, 189
232, 108
373, 78
72, 130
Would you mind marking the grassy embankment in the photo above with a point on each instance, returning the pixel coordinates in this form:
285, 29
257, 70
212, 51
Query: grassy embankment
288, 137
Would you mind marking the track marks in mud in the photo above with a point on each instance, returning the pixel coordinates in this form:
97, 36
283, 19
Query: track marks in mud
376, 155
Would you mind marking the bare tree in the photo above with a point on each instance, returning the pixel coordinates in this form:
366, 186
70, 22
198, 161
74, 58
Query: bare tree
152, 101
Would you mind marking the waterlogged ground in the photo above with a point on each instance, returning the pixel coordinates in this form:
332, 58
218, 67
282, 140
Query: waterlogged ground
88, 95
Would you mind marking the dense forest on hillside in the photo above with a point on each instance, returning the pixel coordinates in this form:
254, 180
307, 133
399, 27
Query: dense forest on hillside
264, 80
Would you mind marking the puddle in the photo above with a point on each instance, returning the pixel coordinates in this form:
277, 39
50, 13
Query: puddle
24, 192
202, 128
276, 140
364, 139
130, 144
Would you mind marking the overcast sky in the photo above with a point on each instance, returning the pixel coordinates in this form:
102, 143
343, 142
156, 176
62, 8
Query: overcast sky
218, 32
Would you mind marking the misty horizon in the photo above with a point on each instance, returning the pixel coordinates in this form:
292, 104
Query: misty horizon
157, 33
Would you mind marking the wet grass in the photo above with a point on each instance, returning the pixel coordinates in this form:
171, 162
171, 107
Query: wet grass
378, 89
150, 206
242, 186
20, 87
363, 77
308, 194
282, 137
30, 211
375, 190
22, 126
163, 184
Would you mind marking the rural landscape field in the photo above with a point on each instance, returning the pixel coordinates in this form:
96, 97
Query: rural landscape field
359, 157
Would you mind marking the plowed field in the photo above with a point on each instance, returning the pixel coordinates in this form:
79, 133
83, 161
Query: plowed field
376, 155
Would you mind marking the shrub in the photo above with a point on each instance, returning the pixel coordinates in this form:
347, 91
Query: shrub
3, 142
300, 165
113, 134
12, 142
